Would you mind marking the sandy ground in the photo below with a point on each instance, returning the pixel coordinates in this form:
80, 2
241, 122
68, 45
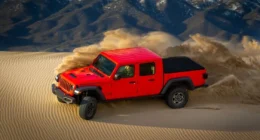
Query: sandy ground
29, 110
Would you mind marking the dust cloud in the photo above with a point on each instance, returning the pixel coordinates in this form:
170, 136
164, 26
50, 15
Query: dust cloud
232, 72
117, 39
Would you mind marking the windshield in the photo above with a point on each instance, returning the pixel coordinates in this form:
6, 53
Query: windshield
105, 65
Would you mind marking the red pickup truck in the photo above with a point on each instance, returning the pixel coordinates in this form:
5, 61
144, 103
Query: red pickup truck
129, 73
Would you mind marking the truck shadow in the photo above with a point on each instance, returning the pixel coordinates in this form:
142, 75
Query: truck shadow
128, 107
150, 107
143, 112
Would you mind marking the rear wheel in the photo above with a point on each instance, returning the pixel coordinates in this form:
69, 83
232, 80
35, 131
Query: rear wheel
177, 97
88, 108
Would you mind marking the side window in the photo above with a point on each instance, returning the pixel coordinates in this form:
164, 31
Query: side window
147, 69
126, 71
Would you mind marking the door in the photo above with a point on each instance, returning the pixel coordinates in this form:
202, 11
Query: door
125, 86
149, 80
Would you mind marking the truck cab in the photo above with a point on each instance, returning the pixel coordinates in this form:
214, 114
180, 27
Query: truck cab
136, 73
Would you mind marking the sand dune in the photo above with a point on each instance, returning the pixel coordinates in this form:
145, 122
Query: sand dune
28, 110
228, 109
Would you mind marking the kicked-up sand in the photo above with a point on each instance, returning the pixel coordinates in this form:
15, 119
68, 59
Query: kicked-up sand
228, 109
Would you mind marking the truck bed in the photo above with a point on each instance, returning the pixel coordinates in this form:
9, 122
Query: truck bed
180, 64
183, 67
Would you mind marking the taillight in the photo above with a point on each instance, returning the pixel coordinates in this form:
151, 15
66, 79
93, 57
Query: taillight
205, 75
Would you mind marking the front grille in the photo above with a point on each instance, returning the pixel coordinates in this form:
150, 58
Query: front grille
65, 85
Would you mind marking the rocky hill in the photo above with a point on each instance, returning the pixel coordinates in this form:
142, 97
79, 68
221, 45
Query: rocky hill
61, 25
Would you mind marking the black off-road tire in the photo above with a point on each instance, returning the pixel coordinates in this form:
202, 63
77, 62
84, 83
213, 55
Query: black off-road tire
60, 100
177, 97
88, 108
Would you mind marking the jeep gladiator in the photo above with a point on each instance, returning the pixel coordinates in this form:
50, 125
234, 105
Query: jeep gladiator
129, 73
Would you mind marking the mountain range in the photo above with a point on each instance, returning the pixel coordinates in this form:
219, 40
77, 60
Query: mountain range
62, 25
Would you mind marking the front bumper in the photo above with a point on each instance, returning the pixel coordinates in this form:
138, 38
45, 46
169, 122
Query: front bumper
60, 94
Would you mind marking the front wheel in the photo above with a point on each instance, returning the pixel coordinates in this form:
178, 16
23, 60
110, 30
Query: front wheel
177, 97
88, 107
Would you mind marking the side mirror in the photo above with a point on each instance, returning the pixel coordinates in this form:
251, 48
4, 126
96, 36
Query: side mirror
117, 76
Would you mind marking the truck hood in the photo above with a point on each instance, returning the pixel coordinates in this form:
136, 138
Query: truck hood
83, 76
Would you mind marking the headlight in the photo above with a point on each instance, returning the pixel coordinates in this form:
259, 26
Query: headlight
76, 92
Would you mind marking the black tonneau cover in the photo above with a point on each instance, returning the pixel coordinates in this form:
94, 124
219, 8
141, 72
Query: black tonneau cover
180, 64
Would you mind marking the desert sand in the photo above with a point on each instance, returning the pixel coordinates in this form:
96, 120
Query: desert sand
228, 109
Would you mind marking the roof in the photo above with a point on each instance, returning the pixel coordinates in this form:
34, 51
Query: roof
131, 55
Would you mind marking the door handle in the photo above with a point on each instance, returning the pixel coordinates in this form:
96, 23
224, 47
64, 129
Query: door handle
132, 82
151, 80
